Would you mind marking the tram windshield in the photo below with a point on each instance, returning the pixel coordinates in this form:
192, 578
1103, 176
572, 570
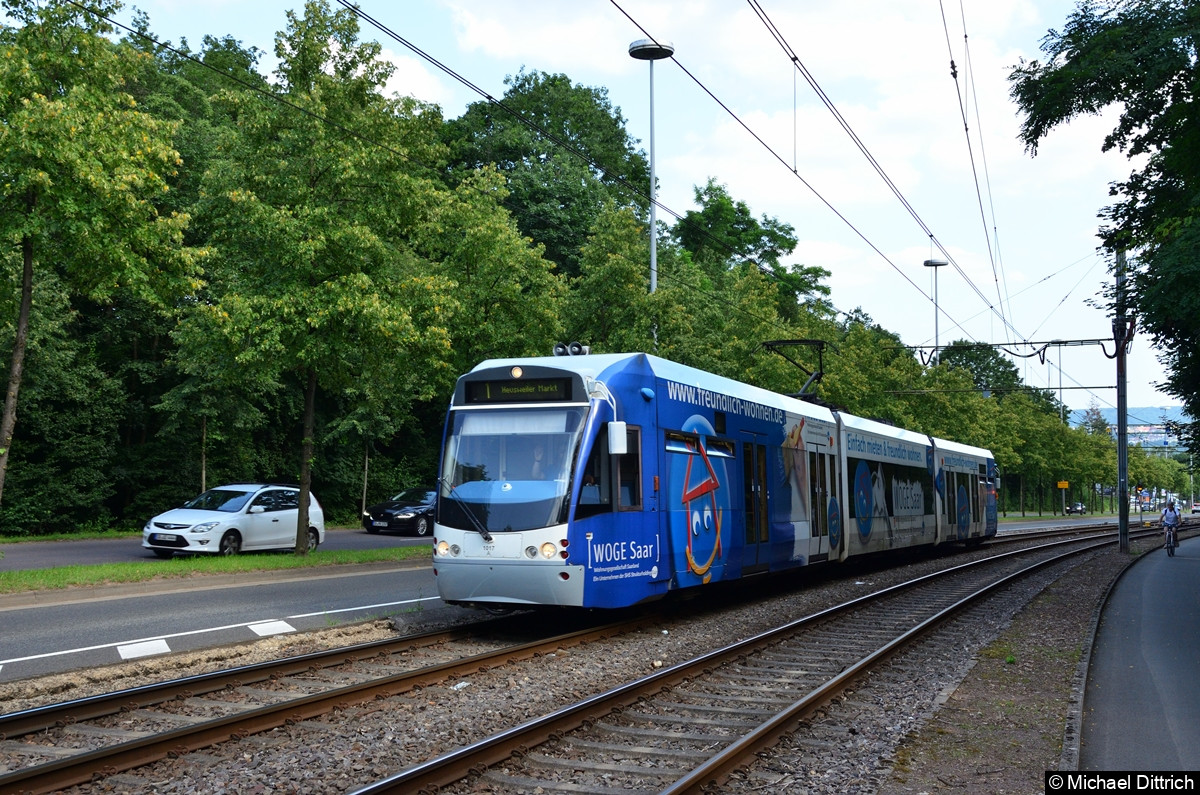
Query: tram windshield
508, 469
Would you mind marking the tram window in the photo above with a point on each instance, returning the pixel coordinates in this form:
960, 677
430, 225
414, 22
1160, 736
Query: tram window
595, 492
476, 458
629, 471
818, 477
682, 442
720, 448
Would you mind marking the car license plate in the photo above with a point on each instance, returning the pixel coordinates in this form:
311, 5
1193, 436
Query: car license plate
165, 537
378, 523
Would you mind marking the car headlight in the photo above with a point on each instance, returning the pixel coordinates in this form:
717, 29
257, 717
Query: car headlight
203, 527
405, 515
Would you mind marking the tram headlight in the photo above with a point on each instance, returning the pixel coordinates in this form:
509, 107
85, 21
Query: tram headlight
547, 550
444, 549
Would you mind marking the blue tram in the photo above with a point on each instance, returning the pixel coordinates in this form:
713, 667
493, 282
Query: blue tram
603, 481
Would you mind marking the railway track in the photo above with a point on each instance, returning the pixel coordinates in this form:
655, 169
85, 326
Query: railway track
688, 727
49, 748
65, 744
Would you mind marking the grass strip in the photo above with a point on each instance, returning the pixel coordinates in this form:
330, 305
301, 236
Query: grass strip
195, 566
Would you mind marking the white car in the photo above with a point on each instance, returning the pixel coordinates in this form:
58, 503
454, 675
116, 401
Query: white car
229, 519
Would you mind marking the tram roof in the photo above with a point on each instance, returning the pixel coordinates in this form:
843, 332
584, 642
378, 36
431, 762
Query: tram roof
604, 366
864, 425
963, 449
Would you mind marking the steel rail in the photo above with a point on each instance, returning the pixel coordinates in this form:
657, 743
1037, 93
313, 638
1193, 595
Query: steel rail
15, 724
786, 720
55, 775
449, 768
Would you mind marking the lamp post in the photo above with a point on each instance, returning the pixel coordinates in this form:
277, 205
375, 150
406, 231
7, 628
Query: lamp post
935, 264
1061, 407
651, 50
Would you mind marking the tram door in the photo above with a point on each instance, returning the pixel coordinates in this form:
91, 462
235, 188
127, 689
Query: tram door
754, 495
821, 478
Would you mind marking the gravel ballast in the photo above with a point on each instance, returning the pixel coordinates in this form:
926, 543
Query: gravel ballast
989, 715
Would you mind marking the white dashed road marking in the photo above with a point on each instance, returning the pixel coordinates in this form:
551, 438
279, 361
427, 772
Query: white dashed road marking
143, 649
271, 628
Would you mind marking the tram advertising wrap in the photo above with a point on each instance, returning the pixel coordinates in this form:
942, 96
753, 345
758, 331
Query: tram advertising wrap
609, 480
891, 486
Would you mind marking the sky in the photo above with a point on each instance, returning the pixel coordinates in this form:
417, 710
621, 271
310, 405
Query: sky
1018, 231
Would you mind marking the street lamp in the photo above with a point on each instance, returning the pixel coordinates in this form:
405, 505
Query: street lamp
935, 264
651, 50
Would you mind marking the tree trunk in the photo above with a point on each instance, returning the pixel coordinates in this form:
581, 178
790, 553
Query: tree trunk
366, 467
203, 454
9, 421
306, 453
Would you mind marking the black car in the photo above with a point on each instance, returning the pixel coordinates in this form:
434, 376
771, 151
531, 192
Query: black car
410, 511
1078, 508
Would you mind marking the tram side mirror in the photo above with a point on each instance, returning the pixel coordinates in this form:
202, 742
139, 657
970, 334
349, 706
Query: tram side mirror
617, 443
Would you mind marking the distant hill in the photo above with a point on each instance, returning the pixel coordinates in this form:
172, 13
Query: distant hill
1143, 415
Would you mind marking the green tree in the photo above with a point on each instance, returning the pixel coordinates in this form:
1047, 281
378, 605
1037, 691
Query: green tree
173, 424
867, 370
723, 233
176, 85
318, 286
1141, 56
507, 299
946, 405
732, 324
81, 172
610, 307
989, 370
561, 174
1094, 422
65, 464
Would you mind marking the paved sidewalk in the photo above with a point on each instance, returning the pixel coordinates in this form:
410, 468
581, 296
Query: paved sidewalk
1141, 708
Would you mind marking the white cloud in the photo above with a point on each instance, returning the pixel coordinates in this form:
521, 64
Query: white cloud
414, 77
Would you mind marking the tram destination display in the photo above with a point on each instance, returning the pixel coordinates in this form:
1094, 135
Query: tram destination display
534, 390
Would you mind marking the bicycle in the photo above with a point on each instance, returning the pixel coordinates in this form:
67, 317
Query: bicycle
1171, 541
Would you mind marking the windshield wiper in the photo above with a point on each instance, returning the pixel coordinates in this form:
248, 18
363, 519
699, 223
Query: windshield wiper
479, 528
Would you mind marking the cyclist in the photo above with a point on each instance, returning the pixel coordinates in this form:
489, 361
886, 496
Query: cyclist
1170, 522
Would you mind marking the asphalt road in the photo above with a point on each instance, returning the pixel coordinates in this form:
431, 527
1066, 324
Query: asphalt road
1143, 695
56, 632
101, 626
